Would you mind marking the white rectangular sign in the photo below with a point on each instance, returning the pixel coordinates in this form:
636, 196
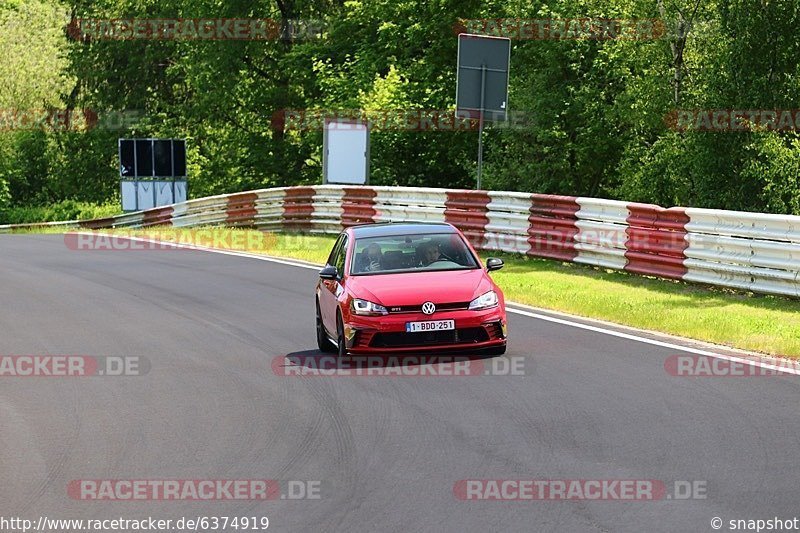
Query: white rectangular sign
345, 152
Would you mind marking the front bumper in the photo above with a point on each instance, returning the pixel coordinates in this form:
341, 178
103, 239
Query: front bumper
387, 333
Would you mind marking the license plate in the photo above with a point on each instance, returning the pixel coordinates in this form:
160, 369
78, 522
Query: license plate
431, 325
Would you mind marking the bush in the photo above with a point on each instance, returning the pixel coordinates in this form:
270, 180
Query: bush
64, 210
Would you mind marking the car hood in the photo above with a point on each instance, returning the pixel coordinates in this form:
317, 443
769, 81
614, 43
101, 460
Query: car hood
415, 288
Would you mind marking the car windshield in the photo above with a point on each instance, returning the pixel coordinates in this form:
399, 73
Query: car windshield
411, 253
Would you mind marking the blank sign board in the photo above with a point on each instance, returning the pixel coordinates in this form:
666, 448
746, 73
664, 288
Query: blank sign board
483, 66
180, 191
164, 192
129, 202
345, 149
146, 195
140, 194
152, 172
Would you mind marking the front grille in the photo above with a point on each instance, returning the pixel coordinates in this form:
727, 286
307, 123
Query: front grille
429, 338
454, 306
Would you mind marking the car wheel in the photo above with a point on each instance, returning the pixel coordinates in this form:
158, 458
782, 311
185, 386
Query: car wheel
323, 343
496, 350
340, 335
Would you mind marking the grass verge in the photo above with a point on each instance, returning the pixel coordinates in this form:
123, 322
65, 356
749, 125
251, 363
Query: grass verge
766, 324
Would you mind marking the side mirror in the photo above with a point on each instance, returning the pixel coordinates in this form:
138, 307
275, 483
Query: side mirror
329, 272
493, 263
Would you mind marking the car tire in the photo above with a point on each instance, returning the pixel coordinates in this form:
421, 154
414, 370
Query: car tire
496, 350
323, 343
340, 335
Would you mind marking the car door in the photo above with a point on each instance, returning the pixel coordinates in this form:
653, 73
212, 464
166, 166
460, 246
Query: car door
330, 288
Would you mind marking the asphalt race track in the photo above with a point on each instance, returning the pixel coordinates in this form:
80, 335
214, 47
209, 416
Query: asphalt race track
387, 451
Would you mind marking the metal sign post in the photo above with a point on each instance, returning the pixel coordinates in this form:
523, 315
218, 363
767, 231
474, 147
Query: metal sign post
480, 124
482, 82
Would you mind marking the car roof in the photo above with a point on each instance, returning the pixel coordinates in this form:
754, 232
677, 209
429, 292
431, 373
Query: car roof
389, 229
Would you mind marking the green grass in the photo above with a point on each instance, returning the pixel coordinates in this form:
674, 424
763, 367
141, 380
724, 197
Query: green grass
40, 230
766, 324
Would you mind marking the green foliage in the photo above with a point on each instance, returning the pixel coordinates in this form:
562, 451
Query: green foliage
33, 70
595, 109
64, 210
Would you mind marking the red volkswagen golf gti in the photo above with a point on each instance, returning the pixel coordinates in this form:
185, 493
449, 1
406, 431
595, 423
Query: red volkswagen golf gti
408, 287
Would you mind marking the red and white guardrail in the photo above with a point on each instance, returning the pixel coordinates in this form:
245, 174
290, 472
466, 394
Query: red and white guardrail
751, 251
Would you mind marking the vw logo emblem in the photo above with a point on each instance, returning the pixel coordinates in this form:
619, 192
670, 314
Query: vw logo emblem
428, 308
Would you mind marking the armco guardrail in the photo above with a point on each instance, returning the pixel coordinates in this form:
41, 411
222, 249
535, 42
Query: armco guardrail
751, 251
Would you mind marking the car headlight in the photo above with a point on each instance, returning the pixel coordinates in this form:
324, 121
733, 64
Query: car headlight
367, 308
484, 301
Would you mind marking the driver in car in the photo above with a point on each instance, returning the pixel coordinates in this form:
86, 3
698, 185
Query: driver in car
430, 254
372, 261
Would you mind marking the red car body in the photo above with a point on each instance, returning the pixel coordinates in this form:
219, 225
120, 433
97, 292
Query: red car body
402, 295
